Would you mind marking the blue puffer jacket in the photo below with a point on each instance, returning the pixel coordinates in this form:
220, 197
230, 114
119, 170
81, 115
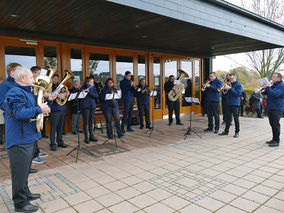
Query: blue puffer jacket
127, 90
4, 88
53, 105
89, 102
107, 104
275, 96
21, 104
212, 92
141, 98
233, 96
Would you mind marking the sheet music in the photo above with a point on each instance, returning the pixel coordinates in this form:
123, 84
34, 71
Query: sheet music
43, 72
82, 95
153, 93
263, 81
110, 96
177, 82
192, 100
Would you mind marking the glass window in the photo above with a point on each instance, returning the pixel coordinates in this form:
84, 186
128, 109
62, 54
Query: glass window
170, 69
123, 64
197, 78
99, 67
187, 92
25, 56
157, 81
76, 64
141, 67
50, 56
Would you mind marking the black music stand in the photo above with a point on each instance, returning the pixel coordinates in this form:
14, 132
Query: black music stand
112, 97
190, 130
154, 94
78, 147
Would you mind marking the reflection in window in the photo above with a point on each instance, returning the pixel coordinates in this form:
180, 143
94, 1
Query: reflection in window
141, 67
187, 92
76, 64
123, 64
25, 56
197, 78
99, 68
157, 81
50, 56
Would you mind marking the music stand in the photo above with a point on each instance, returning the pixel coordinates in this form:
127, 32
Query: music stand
189, 130
76, 96
112, 97
154, 95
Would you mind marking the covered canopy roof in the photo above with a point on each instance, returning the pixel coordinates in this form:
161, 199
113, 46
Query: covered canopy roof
189, 27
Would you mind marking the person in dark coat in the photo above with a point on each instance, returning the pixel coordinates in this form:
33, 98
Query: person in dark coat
76, 108
275, 106
224, 107
255, 102
110, 109
243, 102
127, 90
172, 105
2, 122
142, 93
233, 100
88, 106
213, 102
21, 133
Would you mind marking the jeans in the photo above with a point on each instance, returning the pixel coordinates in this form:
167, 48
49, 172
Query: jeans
232, 111
56, 126
174, 106
144, 109
213, 110
274, 121
88, 115
76, 121
20, 157
110, 113
128, 111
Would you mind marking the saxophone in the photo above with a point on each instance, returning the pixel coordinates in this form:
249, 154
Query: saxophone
174, 95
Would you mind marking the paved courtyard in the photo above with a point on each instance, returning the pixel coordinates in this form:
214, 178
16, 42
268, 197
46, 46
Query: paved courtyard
164, 173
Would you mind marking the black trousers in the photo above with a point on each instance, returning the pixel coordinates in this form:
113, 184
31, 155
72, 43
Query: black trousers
64, 120
232, 111
242, 110
88, 115
144, 110
224, 111
128, 111
174, 106
213, 111
274, 121
56, 126
110, 113
1, 134
36, 151
43, 128
20, 157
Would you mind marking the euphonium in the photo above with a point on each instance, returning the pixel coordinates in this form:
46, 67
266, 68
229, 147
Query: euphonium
42, 83
61, 88
174, 95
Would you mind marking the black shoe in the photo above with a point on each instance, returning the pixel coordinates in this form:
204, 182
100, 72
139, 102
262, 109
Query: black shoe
260, 117
62, 145
274, 144
130, 130
81, 131
64, 133
224, 122
44, 136
120, 135
148, 127
208, 130
141, 127
53, 147
110, 137
269, 142
170, 123
28, 208
74, 133
179, 123
224, 133
33, 171
87, 140
236, 135
122, 130
33, 197
92, 138
216, 131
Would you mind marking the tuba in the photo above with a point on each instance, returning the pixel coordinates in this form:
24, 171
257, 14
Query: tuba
61, 88
42, 83
174, 95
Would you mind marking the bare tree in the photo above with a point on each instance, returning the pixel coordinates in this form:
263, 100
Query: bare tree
266, 62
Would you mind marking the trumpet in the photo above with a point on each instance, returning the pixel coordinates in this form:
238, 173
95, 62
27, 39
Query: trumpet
204, 86
222, 89
145, 89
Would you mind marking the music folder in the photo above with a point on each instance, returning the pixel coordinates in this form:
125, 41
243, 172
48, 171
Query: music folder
153, 93
192, 100
110, 96
72, 96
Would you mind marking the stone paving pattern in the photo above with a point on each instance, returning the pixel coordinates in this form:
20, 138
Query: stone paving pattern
164, 173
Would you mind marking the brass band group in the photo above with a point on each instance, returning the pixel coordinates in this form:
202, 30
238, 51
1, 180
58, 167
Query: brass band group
28, 96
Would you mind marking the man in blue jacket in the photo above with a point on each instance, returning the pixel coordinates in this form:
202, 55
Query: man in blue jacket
142, 93
127, 90
275, 106
213, 102
21, 133
8, 84
233, 100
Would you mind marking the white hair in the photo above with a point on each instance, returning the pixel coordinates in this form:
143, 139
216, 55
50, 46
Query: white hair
20, 71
